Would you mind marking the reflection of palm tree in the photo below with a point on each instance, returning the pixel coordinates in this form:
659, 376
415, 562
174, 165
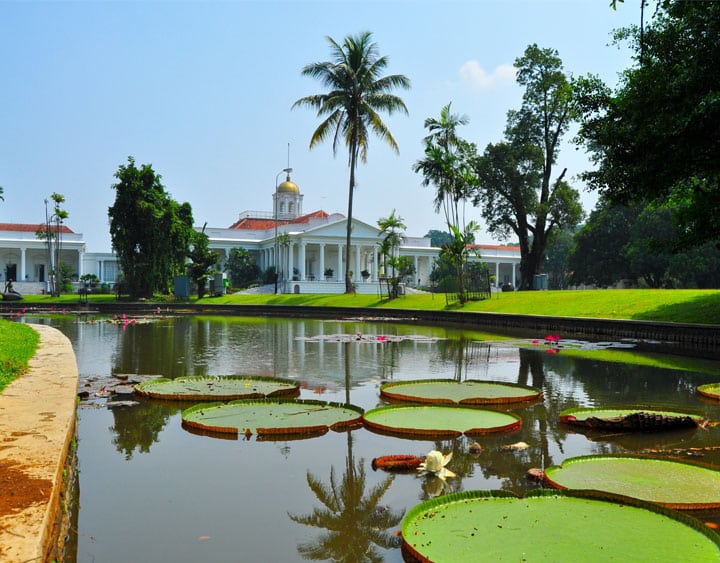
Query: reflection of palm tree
354, 521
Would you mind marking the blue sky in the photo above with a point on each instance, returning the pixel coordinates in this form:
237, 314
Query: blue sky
203, 91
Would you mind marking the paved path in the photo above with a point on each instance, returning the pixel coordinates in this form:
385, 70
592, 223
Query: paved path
37, 424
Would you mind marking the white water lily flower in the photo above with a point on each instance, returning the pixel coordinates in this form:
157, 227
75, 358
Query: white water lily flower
435, 463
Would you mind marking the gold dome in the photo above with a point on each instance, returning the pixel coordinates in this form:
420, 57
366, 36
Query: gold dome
288, 187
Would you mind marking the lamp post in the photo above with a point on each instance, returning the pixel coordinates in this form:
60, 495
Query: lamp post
277, 177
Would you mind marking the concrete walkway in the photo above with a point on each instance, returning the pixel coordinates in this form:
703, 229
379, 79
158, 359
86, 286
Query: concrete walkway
37, 425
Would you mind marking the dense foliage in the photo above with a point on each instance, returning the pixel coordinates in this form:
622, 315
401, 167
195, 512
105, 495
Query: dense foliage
243, 269
640, 244
150, 232
657, 137
202, 260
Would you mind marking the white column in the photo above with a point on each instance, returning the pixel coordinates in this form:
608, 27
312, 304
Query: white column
497, 273
80, 263
340, 269
513, 275
321, 273
22, 264
417, 271
375, 264
301, 260
291, 251
357, 263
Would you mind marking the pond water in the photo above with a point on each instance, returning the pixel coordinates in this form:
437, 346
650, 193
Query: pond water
148, 490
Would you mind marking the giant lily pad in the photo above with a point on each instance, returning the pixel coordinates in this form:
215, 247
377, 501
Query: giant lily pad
438, 421
630, 419
675, 484
223, 388
470, 392
551, 525
272, 417
711, 390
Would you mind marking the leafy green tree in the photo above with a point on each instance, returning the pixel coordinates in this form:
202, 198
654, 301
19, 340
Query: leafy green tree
596, 256
2, 192
650, 248
392, 230
357, 92
556, 265
516, 191
656, 137
447, 166
243, 269
51, 232
439, 239
150, 232
202, 261
458, 252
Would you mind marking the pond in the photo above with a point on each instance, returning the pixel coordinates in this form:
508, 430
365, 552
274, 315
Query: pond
149, 490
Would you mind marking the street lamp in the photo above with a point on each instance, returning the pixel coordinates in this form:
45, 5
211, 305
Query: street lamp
277, 177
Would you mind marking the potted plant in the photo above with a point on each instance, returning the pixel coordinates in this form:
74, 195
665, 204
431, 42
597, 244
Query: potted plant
329, 273
365, 275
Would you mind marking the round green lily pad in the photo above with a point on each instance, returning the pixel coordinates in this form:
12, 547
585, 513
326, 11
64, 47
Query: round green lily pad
711, 390
272, 417
630, 419
225, 388
675, 484
470, 392
551, 525
438, 421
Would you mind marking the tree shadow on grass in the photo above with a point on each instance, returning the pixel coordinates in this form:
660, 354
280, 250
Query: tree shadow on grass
703, 309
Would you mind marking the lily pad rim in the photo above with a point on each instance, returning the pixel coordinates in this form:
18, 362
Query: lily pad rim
588, 494
534, 395
445, 432
144, 388
274, 431
679, 506
705, 390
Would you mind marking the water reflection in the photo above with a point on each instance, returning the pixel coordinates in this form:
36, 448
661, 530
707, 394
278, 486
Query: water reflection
178, 487
355, 524
137, 428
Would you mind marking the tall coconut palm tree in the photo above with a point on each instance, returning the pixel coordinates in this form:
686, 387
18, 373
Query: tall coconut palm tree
447, 164
356, 93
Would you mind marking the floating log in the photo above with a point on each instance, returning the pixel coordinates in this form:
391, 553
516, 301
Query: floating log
397, 462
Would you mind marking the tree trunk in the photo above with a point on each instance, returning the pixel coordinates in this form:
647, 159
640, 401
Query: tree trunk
349, 287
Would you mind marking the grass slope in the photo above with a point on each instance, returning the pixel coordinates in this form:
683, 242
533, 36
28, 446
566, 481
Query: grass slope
19, 343
669, 305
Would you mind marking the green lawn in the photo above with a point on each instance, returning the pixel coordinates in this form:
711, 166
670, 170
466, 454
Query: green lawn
671, 305
19, 342
691, 306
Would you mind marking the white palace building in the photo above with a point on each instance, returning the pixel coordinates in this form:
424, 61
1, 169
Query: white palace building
304, 247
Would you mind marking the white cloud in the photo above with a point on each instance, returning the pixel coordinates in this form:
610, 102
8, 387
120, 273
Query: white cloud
472, 73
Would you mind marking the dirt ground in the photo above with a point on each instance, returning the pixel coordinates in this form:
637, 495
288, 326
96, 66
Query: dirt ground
37, 426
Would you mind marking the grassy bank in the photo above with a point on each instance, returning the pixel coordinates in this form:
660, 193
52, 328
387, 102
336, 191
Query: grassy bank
687, 306
678, 305
19, 342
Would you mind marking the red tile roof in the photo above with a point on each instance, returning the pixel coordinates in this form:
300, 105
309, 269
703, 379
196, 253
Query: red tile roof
29, 228
256, 224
